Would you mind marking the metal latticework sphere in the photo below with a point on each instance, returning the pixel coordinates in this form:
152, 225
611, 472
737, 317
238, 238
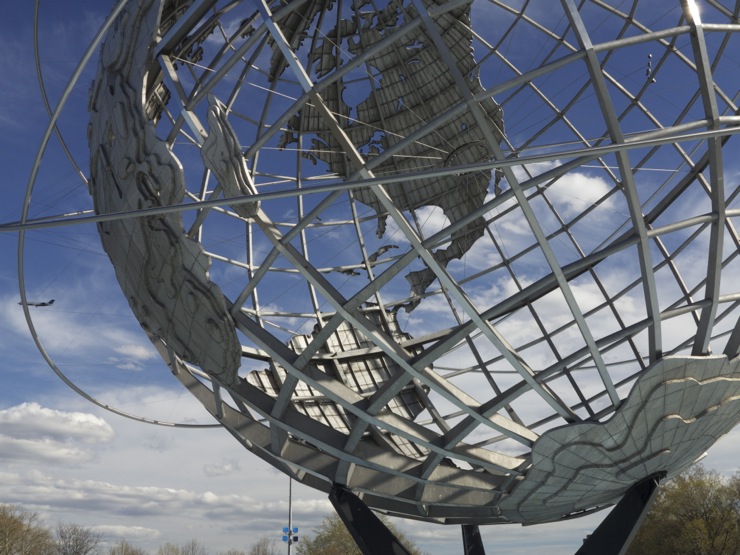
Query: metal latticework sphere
470, 259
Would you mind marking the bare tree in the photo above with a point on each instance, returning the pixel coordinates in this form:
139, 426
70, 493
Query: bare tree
265, 546
125, 548
22, 534
73, 539
190, 547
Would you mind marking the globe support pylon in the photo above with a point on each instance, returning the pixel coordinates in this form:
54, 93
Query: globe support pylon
472, 541
370, 534
618, 529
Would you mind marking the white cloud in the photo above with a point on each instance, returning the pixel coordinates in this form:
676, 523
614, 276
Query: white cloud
136, 351
431, 219
224, 468
125, 364
570, 195
130, 533
43, 450
32, 433
133, 356
31, 421
75, 328
576, 191
103, 496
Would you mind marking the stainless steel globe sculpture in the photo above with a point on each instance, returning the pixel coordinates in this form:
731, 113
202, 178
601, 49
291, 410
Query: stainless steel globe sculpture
475, 261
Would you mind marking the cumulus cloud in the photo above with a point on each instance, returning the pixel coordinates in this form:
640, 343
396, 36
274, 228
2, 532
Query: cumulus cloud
32, 422
576, 191
431, 219
31, 432
111, 498
49, 451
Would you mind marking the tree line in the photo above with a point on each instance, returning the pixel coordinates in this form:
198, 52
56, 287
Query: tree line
696, 513
22, 533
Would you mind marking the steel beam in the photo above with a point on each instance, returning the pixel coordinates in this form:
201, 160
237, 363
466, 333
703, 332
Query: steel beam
370, 534
472, 541
616, 532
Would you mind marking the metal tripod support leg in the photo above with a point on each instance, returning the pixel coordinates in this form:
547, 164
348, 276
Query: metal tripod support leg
370, 534
612, 537
374, 538
472, 541
616, 532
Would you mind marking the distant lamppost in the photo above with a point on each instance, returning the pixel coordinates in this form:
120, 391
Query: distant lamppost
289, 532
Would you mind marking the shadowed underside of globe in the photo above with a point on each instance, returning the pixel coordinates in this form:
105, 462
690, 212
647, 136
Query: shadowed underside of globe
476, 261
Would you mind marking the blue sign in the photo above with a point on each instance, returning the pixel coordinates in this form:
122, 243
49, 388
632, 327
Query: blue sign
288, 533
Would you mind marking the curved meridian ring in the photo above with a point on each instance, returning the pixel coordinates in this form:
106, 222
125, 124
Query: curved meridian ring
471, 259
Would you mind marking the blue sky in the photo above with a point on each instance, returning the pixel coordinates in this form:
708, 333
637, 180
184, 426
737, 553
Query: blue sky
67, 459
